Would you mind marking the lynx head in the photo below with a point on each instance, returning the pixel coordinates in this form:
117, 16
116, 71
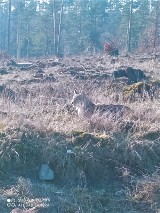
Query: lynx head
78, 99
83, 105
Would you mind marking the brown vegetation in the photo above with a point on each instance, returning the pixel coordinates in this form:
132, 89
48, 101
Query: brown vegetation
108, 157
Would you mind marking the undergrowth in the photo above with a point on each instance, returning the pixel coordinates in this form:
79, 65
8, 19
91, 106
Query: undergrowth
112, 164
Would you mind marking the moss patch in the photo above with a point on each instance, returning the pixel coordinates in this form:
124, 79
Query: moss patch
154, 135
81, 138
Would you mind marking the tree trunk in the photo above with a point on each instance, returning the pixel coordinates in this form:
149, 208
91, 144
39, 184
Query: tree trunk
27, 49
18, 28
156, 32
60, 28
79, 23
9, 26
54, 28
1, 33
130, 27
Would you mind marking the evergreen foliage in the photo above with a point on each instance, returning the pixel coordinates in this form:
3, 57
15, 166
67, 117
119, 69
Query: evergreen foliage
83, 27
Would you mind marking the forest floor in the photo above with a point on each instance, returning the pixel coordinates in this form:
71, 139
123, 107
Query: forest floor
114, 166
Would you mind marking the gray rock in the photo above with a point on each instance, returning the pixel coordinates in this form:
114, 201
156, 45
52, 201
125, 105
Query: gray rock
133, 75
24, 64
46, 173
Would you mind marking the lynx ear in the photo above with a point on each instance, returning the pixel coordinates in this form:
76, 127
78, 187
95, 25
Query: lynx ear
75, 92
83, 93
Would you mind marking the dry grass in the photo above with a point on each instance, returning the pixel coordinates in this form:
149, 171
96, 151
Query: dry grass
39, 124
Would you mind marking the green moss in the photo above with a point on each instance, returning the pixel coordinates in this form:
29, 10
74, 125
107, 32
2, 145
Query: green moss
152, 135
105, 140
128, 93
100, 140
76, 133
134, 87
82, 139
140, 86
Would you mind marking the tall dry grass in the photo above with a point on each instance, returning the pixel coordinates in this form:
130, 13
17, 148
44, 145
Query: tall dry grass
39, 124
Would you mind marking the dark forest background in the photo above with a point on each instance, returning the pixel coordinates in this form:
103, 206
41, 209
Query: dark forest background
32, 28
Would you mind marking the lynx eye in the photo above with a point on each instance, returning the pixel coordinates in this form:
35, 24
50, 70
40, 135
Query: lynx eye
76, 99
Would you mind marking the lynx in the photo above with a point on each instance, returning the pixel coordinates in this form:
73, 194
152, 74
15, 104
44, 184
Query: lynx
86, 108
